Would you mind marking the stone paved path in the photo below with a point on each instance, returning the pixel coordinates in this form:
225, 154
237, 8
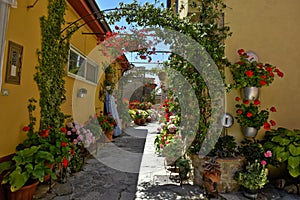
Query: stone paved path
129, 169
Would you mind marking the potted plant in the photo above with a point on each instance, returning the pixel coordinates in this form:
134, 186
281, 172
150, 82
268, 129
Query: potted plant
251, 117
211, 175
252, 75
109, 73
107, 123
27, 167
226, 153
252, 178
184, 168
285, 146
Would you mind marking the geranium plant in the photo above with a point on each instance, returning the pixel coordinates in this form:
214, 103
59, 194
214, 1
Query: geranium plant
107, 122
249, 114
248, 73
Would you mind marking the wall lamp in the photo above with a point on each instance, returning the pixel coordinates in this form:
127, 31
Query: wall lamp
81, 93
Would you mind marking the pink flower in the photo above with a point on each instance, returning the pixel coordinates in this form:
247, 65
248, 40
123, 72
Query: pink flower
263, 162
268, 154
158, 129
161, 146
69, 133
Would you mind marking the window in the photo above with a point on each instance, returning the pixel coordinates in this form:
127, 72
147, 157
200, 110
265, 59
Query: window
81, 66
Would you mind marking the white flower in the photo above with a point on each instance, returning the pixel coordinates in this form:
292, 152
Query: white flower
172, 128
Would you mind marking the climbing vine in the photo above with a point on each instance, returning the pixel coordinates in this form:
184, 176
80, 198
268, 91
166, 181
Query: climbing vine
52, 59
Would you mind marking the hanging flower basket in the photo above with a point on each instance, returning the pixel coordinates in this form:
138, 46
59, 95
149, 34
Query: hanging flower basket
249, 131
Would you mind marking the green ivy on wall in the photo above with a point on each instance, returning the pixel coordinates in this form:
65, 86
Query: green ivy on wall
52, 59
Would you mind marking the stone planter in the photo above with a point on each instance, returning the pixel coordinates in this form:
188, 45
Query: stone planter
229, 166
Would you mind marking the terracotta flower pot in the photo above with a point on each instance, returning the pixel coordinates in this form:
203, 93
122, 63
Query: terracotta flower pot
25, 193
109, 135
137, 121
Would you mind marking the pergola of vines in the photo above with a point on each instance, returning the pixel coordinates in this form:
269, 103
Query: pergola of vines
207, 30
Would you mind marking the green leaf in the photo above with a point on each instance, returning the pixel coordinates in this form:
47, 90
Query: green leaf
280, 140
294, 172
294, 162
6, 166
294, 150
282, 156
17, 179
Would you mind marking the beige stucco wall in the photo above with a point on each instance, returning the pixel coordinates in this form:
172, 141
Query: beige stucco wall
271, 29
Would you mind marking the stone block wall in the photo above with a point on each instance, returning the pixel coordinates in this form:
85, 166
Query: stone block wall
229, 166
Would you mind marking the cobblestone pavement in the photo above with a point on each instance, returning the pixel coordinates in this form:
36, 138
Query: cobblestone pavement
129, 169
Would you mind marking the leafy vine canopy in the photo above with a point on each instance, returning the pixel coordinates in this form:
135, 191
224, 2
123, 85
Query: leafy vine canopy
201, 64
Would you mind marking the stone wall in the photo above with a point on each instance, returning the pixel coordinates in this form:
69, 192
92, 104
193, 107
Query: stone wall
229, 166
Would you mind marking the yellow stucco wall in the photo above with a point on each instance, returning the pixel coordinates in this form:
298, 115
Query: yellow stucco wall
24, 29
271, 30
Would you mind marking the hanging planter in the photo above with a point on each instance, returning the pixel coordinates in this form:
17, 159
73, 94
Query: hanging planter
109, 76
250, 93
249, 131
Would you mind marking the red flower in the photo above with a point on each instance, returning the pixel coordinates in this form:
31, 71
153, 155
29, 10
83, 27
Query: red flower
256, 102
117, 28
239, 111
65, 162
273, 109
240, 62
143, 57
273, 123
44, 133
246, 101
262, 82
63, 129
63, 144
72, 152
26, 128
267, 126
249, 73
241, 51
271, 74
269, 69
280, 74
264, 76
237, 98
249, 114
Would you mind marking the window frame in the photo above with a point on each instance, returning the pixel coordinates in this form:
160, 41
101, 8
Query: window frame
86, 61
